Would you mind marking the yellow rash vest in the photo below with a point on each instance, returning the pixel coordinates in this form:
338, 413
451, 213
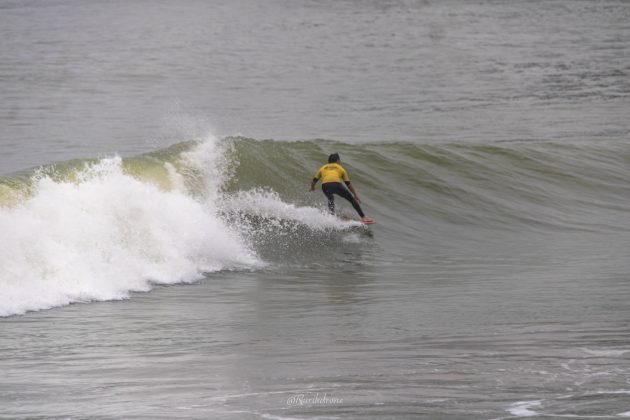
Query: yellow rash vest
332, 172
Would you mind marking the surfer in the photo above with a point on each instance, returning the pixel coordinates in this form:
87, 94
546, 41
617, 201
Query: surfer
331, 175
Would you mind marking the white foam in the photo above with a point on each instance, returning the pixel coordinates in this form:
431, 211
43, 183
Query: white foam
523, 408
108, 234
352, 238
268, 205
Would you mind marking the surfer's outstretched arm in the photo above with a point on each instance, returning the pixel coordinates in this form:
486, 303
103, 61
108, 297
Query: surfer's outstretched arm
353, 191
313, 182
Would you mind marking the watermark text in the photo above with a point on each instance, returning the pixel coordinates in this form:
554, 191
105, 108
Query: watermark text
310, 399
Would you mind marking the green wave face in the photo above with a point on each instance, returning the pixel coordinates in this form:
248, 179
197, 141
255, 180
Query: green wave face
501, 186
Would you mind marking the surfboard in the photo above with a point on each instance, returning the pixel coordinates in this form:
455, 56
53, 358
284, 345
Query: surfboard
349, 219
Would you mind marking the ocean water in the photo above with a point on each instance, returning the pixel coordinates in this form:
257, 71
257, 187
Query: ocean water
162, 257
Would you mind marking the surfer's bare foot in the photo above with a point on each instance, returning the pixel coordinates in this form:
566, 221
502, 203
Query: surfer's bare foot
367, 220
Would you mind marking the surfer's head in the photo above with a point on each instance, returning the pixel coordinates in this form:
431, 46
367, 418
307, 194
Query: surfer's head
334, 158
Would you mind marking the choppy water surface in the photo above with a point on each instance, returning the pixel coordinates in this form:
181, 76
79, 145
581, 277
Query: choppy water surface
149, 269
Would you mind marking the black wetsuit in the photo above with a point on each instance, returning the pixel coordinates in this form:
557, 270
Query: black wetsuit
331, 188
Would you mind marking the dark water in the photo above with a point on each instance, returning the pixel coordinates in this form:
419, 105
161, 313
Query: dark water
196, 277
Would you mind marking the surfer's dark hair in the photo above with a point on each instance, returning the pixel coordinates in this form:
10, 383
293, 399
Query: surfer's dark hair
333, 158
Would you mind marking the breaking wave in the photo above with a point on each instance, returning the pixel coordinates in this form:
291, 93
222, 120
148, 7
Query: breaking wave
86, 230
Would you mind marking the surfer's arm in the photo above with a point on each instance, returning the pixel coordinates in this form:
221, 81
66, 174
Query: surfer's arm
353, 191
316, 178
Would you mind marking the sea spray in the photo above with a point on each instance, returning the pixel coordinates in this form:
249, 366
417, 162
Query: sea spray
268, 205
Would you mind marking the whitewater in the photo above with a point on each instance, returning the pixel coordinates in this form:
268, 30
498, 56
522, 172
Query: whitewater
104, 235
93, 231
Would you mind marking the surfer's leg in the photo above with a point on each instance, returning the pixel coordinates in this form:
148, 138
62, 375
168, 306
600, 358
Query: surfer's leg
352, 201
329, 195
331, 204
340, 190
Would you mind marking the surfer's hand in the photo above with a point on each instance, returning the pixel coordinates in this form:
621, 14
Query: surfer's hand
356, 197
